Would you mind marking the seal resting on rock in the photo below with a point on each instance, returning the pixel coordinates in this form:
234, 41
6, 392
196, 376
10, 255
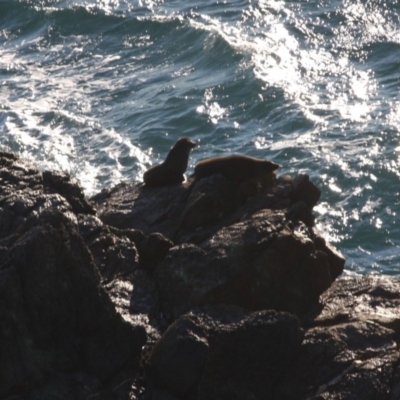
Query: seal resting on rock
236, 167
171, 171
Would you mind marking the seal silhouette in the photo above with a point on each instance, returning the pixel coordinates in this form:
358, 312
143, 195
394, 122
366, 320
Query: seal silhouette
237, 167
171, 171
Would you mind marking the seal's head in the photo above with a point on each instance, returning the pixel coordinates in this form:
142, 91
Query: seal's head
178, 156
184, 144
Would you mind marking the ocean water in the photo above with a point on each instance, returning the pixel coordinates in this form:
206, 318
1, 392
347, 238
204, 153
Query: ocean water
102, 89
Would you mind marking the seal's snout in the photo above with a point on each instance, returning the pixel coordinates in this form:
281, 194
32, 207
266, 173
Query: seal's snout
272, 166
186, 142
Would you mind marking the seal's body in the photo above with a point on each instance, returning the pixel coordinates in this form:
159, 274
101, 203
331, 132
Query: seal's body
171, 171
236, 167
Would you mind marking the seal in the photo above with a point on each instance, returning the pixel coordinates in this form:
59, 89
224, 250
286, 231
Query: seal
237, 167
171, 171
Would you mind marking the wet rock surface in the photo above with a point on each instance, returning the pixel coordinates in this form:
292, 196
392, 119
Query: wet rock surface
350, 349
212, 289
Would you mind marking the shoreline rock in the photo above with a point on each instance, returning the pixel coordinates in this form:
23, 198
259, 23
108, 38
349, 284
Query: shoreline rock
212, 289
259, 252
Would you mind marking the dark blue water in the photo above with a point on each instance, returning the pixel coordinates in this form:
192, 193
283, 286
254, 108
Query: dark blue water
102, 89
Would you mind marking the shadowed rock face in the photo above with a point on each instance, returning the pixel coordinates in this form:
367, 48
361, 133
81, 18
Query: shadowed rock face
179, 358
225, 352
247, 264
53, 304
206, 269
56, 317
350, 349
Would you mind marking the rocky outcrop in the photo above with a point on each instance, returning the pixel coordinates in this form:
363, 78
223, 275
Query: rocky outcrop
225, 352
347, 348
26, 192
213, 289
350, 349
56, 318
249, 244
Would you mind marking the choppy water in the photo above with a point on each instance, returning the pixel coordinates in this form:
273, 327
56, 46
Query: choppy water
102, 89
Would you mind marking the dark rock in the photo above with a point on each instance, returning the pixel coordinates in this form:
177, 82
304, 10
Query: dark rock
153, 249
25, 192
15, 172
248, 351
144, 295
180, 280
89, 226
209, 201
347, 361
79, 290
335, 259
119, 252
373, 298
53, 304
19, 205
150, 210
123, 386
225, 352
305, 190
63, 184
161, 394
196, 211
254, 186
135, 295
247, 264
62, 386
179, 358
299, 211
114, 253
131, 289
350, 350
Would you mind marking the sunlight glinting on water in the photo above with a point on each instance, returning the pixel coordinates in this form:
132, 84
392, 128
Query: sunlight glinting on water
90, 82
57, 94
214, 111
280, 61
350, 90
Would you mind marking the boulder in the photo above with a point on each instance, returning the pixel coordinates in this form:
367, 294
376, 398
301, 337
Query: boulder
350, 349
304, 190
61, 183
25, 192
225, 352
249, 351
115, 254
53, 304
209, 201
128, 206
263, 262
124, 275
179, 358
153, 249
